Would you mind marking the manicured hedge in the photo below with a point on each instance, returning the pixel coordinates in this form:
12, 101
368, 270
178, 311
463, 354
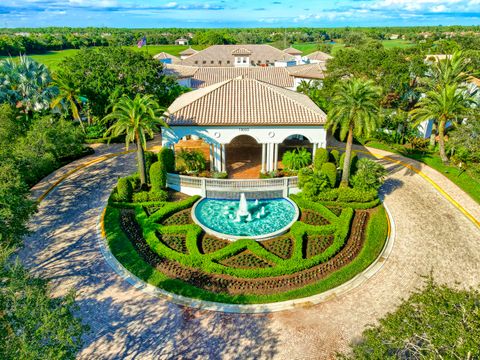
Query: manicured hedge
166, 157
124, 251
330, 170
124, 190
158, 176
321, 157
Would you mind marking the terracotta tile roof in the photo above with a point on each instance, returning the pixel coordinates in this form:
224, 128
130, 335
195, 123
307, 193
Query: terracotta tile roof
319, 56
241, 51
308, 71
221, 55
244, 102
180, 71
292, 51
189, 52
164, 55
474, 80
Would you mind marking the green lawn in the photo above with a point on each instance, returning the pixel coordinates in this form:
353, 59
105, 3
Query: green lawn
467, 181
53, 58
308, 48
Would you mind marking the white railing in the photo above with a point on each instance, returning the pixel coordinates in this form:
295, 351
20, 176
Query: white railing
199, 186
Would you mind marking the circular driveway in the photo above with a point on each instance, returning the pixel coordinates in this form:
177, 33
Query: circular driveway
432, 234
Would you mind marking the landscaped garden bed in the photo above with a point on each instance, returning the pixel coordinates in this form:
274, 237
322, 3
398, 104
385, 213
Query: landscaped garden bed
168, 251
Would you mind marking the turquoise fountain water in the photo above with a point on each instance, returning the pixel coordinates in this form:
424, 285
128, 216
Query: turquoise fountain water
234, 219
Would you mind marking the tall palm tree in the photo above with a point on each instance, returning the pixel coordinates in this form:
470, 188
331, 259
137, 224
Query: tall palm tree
355, 111
451, 103
136, 118
68, 96
450, 71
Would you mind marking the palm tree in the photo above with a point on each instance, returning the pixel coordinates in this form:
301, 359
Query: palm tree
136, 118
68, 95
355, 111
449, 104
26, 84
450, 71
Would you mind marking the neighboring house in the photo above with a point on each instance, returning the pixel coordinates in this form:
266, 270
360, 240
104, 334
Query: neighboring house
187, 53
181, 41
318, 57
166, 58
236, 56
243, 113
394, 37
286, 77
297, 54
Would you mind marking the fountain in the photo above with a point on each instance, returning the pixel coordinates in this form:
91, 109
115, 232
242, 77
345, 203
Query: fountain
237, 219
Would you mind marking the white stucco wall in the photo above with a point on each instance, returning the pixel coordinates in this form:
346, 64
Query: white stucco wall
262, 134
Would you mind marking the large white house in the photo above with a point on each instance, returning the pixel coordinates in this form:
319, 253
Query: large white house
246, 121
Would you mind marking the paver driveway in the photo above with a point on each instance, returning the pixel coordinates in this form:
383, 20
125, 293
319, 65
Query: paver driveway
126, 323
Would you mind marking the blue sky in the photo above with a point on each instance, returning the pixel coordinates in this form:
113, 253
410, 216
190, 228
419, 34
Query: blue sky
239, 13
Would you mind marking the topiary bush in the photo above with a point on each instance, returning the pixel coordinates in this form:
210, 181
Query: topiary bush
157, 195
346, 194
321, 157
140, 197
158, 176
124, 190
166, 157
335, 157
330, 170
353, 162
304, 175
150, 158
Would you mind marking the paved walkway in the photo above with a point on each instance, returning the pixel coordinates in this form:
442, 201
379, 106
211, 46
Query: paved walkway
432, 234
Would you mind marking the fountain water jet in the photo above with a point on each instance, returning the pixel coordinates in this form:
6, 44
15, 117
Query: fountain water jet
243, 206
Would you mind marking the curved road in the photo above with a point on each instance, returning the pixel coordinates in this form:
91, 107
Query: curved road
432, 235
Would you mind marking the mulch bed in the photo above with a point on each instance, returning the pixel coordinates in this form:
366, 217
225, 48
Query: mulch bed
237, 286
245, 260
209, 243
183, 217
311, 217
316, 244
281, 246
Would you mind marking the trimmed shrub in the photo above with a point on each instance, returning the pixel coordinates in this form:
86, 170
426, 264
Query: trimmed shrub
346, 194
158, 176
134, 181
166, 157
353, 162
304, 175
321, 157
330, 170
329, 195
317, 183
157, 195
124, 190
150, 158
335, 157
140, 197
220, 175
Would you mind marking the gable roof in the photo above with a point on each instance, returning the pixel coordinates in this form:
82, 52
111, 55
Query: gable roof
319, 56
241, 51
222, 55
244, 102
188, 52
292, 51
308, 71
164, 55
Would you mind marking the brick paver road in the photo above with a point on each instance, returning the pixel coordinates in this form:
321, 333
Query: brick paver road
432, 235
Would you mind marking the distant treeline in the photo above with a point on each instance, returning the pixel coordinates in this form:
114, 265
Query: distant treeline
38, 40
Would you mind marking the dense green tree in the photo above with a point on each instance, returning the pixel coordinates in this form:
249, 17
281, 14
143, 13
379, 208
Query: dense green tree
355, 111
464, 142
107, 74
437, 322
136, 118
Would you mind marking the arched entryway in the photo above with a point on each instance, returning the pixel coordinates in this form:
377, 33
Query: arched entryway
244, 157
291, 143
194, 143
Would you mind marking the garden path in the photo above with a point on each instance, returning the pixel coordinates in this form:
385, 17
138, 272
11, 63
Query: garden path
432, 235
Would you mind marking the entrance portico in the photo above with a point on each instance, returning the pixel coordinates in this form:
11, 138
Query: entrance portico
245, 112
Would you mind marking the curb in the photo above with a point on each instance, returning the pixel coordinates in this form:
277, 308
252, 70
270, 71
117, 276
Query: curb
336, 292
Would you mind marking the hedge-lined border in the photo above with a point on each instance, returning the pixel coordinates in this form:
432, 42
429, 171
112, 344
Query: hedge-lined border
370, 260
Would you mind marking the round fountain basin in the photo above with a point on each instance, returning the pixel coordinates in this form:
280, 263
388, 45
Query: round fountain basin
221, 218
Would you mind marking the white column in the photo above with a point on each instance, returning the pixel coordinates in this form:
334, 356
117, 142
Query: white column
218, 164
224, 160
212, 163
267, 160
264, 150
275, 157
